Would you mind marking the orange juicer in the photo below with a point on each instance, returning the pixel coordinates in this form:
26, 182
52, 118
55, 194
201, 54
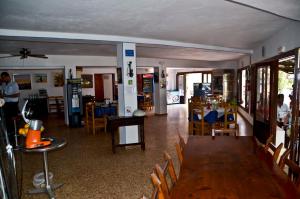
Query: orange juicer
33, 137
32, 130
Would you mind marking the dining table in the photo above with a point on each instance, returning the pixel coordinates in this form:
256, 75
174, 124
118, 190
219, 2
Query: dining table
230, 167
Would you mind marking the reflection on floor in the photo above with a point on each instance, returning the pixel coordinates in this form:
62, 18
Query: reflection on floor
88, 168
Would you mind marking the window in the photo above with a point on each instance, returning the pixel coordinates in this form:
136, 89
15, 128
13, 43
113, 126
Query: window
244, 87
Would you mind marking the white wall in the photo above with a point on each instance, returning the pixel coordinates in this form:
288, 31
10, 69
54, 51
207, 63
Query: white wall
51, 90
144, 70
107, 81
288, 37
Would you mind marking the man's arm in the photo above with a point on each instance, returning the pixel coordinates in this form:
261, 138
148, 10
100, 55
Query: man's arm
12, 95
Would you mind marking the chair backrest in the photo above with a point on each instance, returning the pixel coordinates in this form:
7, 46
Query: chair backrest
268, 141
161, 176
179, 153
275, 150
230, 114
197, 125
283, 157
294, 171
89, 109
154, 194
170, 167
181, 141
158, 185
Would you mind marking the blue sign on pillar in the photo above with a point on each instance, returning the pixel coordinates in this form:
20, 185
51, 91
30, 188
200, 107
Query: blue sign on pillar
129, 53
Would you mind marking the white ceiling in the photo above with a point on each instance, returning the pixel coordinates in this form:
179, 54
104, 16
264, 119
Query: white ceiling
217, 23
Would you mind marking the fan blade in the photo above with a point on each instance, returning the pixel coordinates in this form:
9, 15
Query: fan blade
10, 56
38, 56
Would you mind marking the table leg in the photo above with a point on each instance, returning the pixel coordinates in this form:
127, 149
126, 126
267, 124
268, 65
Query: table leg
49, 187
113, 139
141, 129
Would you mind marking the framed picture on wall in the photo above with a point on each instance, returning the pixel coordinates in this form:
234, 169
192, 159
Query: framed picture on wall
87, 81
58, 78
40, 78
23, 80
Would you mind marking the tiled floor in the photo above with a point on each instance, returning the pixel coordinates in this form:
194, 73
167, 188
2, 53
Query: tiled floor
90, 170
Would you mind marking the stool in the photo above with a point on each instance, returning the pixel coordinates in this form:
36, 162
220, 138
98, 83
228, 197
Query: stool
55, 144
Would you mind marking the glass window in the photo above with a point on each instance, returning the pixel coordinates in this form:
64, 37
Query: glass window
244, 87
204, 78
209, 78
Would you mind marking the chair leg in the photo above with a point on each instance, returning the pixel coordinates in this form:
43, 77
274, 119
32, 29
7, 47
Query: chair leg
94, 130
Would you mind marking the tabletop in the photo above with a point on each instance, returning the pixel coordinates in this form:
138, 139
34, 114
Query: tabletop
228, 167
56, 143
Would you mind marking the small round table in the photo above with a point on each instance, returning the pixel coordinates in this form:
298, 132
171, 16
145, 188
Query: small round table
55, 144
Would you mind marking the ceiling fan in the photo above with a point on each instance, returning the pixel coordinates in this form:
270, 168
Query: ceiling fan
25, 53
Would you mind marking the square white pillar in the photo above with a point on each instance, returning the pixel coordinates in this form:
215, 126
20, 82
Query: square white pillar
160, 85
68, 70
127, 89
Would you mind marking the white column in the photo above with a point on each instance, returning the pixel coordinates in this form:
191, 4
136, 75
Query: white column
160, 102
127, 89
68, 70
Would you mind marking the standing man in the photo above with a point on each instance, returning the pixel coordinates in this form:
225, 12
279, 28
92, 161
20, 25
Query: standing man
283, 111
200, 92
11, 95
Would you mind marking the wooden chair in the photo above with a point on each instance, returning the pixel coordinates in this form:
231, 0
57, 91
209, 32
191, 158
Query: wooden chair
91, 120
55, 104
181, 141
161, 193
230, 125
294, 169
199, 127
170, 167
154, 194
161, 175
179, 151
275, 150
147, 104
284, 156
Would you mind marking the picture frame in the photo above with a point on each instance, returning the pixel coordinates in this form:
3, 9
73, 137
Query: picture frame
23, 81
87, 81
40, 78
58, 79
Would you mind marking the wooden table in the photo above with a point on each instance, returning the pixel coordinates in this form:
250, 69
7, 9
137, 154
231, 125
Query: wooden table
227, 167
114, 122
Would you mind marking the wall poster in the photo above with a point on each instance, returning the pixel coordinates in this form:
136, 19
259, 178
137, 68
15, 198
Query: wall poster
23, 80
87, 81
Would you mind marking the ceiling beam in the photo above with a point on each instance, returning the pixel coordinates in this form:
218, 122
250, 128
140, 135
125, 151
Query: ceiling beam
27, 35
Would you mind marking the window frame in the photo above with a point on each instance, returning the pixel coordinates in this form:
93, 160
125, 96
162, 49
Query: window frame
247, 87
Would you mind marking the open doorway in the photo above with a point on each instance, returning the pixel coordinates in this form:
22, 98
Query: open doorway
285, 96
192, 83
104, 87
145, 88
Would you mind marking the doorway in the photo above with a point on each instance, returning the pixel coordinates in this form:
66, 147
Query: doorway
99, 89
285, 94
264, 100
194, 79
105, 87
